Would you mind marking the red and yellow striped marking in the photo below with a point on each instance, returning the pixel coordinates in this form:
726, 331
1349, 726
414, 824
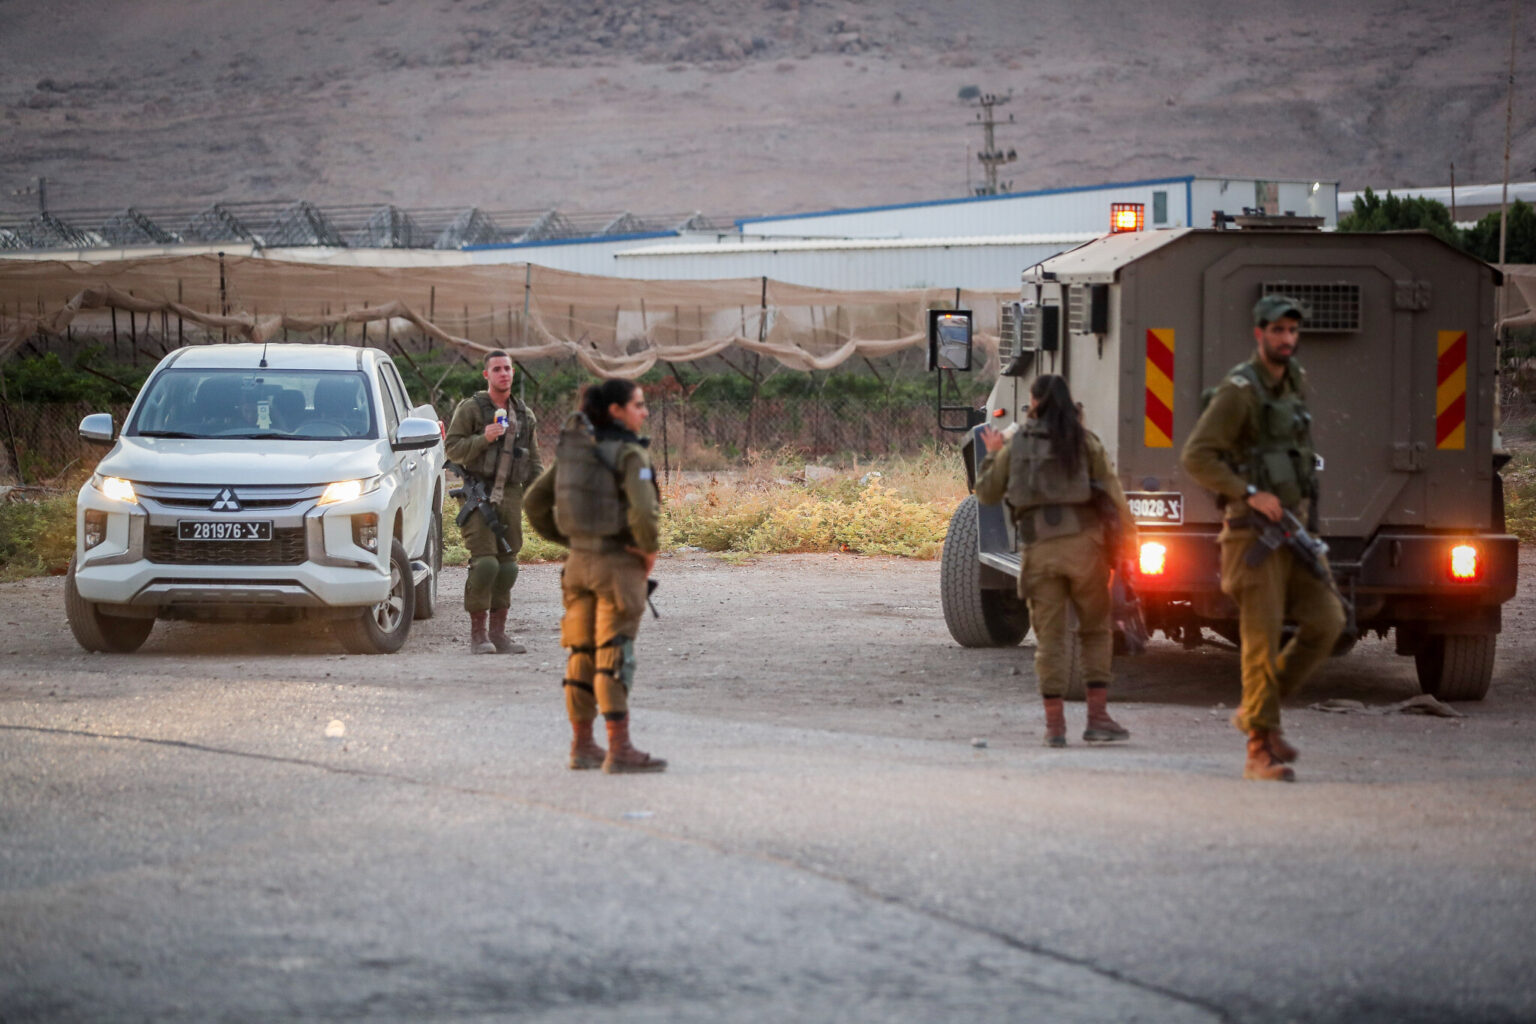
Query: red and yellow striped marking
1451, 391
1159, 411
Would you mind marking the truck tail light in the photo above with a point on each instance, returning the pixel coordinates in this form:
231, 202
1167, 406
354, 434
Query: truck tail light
1153, 560
1466, 566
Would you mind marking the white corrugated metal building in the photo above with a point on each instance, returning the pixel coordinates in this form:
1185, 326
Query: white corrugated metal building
983, 262
1168, 202
981, 242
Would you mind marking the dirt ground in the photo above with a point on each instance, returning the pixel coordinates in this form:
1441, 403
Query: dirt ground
848, 644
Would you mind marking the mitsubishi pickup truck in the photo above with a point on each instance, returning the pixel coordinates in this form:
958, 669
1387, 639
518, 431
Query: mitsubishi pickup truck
265, 483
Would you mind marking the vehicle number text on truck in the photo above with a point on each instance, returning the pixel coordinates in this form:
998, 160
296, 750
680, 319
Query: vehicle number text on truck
1156, 507
202, 529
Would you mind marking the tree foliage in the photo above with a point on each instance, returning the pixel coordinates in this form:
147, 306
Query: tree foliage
1395, 213
1482, 238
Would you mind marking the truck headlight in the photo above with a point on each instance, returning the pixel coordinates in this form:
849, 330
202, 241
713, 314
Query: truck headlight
348, 490
365, 531
95, 528
115, 488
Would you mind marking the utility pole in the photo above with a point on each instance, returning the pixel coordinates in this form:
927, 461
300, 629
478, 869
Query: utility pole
991, 156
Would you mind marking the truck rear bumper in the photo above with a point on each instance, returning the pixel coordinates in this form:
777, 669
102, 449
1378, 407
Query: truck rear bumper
1395, 576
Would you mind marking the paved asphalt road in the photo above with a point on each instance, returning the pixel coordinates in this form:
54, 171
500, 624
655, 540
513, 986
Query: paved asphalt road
181, 841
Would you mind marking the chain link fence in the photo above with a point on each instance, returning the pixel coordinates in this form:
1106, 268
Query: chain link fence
701, 419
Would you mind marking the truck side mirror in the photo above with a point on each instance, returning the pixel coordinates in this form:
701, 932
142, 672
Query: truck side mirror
949, 339
415, 433
97, 428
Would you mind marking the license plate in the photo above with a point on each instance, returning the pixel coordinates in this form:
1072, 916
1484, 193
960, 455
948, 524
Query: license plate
223, 529
1156, 507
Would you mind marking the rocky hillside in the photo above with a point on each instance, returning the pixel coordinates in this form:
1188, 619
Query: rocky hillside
757, 106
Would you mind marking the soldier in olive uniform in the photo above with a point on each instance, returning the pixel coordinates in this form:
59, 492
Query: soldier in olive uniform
1253, 447
599, 498
492, 437
1048, 471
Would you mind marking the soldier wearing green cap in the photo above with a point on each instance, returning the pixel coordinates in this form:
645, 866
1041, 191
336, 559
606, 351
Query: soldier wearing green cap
1252, 446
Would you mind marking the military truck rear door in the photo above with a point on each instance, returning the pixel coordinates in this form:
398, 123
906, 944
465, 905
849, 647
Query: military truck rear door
1356, 347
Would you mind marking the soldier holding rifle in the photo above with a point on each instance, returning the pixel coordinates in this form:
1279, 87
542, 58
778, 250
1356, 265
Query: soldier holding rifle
491, 441
1252, 446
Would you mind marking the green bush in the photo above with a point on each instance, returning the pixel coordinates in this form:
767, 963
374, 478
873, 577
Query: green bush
1520, 494
37, 536
46, 378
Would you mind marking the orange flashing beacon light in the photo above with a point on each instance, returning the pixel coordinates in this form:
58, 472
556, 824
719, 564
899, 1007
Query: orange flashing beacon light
1127, 217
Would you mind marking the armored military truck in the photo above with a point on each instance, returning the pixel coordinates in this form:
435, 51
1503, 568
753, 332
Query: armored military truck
1399, 350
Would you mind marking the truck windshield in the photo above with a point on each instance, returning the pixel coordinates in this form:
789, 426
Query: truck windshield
301, 405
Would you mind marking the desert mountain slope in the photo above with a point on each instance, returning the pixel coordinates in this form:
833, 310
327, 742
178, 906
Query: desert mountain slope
763, 106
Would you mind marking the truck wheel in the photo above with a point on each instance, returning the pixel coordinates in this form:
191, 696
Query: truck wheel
426, 593
94, 631
1456, 667
383, 628
975, 617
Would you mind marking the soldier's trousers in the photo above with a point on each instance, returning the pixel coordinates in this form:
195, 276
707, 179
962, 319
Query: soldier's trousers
604, 597
1267, 595
1058, 572
492, 573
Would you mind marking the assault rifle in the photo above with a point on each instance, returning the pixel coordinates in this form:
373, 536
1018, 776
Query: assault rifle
1309, 551
473, 498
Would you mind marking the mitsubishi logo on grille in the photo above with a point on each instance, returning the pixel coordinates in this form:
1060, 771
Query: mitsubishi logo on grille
226, 501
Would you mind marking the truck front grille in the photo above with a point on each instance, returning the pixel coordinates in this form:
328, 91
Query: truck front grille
285, 548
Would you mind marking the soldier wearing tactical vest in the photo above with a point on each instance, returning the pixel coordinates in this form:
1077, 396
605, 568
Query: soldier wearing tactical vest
1048, 471
1252, 446
492, 436
599, 498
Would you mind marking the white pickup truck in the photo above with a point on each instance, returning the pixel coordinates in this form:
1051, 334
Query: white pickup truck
265, 483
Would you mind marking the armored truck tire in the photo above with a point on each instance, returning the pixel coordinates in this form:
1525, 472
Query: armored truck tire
976, 617
382, 629
1456, 666
112, 634
426, 590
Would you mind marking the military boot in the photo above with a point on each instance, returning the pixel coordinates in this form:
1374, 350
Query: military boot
1282, 750
622, 756
479, 643
498, 635
1055, 722
1262, 763
585, 753
1102, 728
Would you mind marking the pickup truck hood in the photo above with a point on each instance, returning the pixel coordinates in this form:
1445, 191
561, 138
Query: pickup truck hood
169, 460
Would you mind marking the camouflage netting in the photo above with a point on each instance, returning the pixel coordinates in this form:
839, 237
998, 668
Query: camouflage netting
613, 326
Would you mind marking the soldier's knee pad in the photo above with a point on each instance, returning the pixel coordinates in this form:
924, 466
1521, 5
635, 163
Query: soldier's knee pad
506, 574
482, 571
616, 658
